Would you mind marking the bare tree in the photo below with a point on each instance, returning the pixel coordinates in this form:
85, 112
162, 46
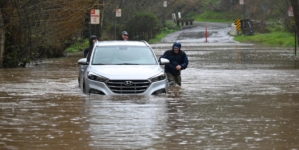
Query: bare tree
41, 28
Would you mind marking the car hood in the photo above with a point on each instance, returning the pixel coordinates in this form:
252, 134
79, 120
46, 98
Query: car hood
119, 72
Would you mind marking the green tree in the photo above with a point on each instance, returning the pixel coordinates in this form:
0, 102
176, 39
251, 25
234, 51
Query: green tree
142, 26
143, 22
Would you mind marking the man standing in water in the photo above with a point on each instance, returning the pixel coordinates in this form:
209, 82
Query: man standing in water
92, 40
178, 61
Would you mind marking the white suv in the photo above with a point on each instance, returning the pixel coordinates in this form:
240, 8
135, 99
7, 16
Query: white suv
122, 68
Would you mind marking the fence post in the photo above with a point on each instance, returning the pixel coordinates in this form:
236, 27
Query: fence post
206, 34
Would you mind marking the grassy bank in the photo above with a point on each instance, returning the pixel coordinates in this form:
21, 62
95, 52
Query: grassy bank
269, 39
78, 46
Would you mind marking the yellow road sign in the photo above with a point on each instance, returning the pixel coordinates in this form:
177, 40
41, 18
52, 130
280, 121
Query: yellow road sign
238, 24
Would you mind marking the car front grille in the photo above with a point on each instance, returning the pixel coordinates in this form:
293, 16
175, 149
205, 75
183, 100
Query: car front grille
128, 86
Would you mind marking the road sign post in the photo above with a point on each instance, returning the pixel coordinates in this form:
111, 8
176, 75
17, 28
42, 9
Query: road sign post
94, 21
94, 16
117, 14
164, 5
241, 2
174, 18
291, 14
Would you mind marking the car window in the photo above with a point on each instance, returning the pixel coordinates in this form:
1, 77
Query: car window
123, 55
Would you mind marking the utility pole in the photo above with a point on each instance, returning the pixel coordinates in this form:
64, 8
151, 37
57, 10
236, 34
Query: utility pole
117, 15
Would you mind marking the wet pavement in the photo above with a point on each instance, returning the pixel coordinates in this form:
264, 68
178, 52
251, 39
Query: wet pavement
233, 96
202, 32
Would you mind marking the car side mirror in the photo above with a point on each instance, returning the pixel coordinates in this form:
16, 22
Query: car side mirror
164, 61
82, 61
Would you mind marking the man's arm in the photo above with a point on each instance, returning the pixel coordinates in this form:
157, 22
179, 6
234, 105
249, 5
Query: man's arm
185, 63
86, 52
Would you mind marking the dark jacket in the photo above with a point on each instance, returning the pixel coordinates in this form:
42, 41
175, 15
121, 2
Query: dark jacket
175, 59
88, 54
89, 48
86, 51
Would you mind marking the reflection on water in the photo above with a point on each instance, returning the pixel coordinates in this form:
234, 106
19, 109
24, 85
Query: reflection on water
229, 99
130, 122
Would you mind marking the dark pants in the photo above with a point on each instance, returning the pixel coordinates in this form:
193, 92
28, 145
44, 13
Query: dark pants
176, 79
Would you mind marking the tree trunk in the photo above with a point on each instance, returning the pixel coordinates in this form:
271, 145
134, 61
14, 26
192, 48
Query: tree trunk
295, 6
2, 39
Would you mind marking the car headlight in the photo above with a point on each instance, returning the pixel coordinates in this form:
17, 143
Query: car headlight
158, 77
95, 77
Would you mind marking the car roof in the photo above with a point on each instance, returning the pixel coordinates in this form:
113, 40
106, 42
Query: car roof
122, 43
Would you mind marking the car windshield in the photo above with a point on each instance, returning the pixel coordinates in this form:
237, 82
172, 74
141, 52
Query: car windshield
123, 55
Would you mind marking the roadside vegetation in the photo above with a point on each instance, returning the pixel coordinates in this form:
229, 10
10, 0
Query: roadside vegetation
78, 46
34, 30
275, 35
272, 34
170, 27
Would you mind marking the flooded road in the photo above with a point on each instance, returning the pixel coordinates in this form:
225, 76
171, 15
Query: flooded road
233, 96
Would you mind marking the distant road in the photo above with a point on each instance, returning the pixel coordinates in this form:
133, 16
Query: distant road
217, 33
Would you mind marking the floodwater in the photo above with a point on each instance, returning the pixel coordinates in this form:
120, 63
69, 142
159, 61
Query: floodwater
233, 96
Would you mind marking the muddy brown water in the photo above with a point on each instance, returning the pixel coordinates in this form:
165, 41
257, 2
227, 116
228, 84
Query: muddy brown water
231, 98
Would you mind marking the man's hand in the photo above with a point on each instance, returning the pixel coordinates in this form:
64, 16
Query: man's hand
178, 67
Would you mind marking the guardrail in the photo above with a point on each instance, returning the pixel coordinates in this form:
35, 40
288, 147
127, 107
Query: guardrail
143, 35
184, 22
